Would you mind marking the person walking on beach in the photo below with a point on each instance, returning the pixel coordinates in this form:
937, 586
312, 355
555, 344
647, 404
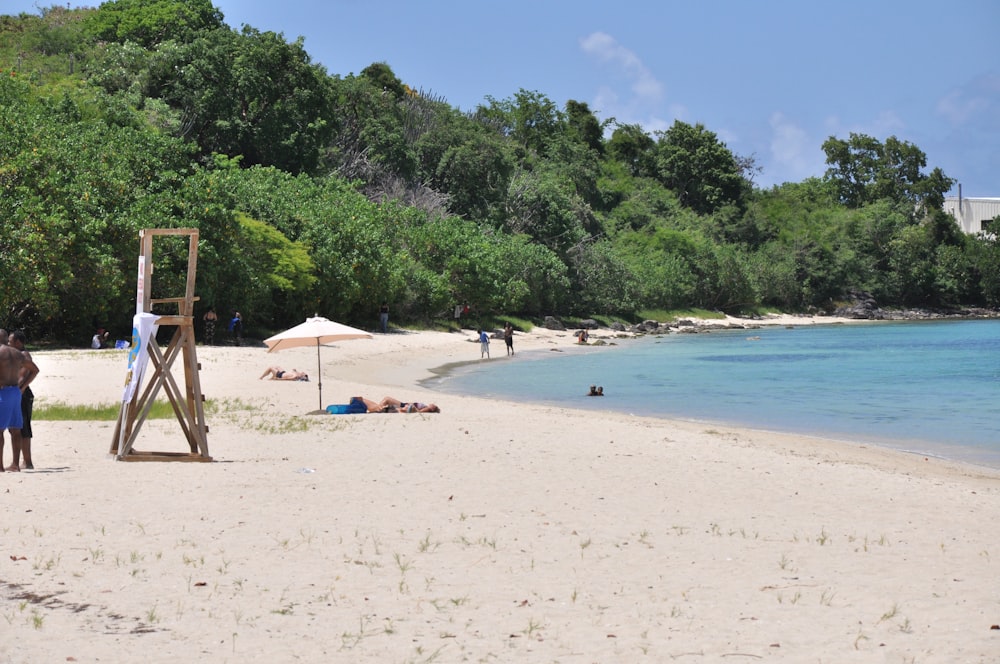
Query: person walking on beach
236, 327
383, 318
484, 344
508, 337
22, 447
210, 318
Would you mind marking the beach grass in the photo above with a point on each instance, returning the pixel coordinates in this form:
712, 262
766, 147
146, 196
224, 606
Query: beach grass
106, 412
60, 411
663, 315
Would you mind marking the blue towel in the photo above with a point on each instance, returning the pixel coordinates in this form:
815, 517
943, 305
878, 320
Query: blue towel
353, 408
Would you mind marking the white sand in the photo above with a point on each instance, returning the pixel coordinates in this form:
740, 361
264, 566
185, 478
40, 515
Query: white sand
491, 532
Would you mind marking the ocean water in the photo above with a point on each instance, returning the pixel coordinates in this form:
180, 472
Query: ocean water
930, 387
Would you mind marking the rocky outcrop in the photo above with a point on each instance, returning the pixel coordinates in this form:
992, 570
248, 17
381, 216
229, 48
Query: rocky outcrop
646, 327
553, 323
862, 306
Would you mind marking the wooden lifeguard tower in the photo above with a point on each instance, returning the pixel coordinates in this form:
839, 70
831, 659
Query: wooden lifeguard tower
188, 403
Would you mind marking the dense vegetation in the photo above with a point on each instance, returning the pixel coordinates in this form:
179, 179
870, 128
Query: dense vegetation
326, 193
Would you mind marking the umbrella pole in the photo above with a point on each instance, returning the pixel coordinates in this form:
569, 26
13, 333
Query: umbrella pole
319, 376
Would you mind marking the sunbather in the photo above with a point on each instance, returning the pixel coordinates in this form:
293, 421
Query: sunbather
410, 407
277, 373
393, 405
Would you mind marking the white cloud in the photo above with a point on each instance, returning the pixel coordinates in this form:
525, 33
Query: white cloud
888, 123
978, 100
633, 95
605, 48
678, 111
885, 124
606, 98
794, 155
728, 136
654, 124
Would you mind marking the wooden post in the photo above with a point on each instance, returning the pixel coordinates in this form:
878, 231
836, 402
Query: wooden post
186, 398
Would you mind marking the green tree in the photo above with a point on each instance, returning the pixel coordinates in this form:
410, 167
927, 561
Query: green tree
577, 164
530, 119
60, 31
382, 77
492, 272
357, 256
700, 169
778, 275
150, 22
475, 176
663, 260
251, 95
865, 170
270, 268
546, 207
727, 279
911, 266
632, 146
603, 282
956, 279
583, 125
985, 261
68, 183
370, 141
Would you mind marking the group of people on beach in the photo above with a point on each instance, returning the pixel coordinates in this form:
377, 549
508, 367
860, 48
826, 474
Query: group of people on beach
234, 326
17, 370
386, 405
393, 405
508, 340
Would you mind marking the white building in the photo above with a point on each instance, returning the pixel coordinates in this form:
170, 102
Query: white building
974, 215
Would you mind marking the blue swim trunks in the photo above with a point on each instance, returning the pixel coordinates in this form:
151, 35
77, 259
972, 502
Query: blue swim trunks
10, 407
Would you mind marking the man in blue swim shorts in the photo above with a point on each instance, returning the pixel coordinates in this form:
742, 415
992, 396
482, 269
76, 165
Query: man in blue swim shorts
22, 451
11, 362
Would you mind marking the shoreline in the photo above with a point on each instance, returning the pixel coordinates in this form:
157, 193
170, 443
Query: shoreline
972, 456
490, 531
430, 366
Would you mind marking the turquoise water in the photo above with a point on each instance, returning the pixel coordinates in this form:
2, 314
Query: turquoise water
931, 387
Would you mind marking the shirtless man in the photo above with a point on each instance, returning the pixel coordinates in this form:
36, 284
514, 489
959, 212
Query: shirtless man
12, 361
22, 448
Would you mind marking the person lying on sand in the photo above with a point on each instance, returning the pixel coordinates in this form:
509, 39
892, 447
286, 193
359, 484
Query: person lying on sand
277, 373
393, 405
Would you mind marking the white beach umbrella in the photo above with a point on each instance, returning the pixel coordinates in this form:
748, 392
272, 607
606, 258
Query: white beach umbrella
316, 331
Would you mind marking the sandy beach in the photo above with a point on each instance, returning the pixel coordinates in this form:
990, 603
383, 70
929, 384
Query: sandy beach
489, 532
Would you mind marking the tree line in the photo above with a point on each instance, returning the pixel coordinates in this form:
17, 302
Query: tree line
324, 193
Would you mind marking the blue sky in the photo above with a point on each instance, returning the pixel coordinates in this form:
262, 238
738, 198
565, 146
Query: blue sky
772, 78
